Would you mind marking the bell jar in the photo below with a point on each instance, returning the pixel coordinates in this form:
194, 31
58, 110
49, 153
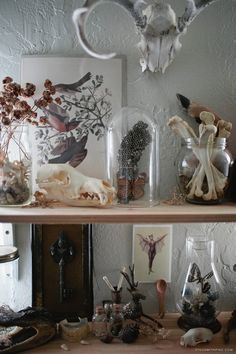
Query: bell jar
198, 289
132, 158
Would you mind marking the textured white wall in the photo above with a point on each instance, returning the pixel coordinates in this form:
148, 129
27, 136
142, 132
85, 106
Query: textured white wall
204, 70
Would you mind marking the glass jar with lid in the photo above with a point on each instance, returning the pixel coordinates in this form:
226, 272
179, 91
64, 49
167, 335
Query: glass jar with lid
203, 171
132, 160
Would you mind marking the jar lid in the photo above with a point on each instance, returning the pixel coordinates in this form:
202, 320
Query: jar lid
8, 254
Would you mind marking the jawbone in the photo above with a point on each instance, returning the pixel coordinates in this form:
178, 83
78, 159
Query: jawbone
65, 184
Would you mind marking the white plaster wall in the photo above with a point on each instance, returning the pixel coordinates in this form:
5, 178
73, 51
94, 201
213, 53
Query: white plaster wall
204, 70
15, 277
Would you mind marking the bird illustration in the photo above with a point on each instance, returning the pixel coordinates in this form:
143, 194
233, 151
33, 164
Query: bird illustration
74, 152
151, 247
59, 118
71, 89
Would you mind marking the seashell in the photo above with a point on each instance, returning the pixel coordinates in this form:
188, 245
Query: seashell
65, 347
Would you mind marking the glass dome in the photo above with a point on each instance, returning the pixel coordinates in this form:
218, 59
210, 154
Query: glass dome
132, 160
198, 289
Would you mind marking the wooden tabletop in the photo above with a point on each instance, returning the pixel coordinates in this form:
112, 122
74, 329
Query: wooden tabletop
144, 345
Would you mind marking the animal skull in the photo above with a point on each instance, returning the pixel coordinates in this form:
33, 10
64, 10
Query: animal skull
196, 336
157, 24
64, 183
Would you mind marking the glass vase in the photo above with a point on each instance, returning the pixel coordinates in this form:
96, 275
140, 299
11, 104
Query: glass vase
203, 171
15, 166
199, 290
132, 160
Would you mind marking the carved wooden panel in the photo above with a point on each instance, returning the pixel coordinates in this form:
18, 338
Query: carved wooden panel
62, 270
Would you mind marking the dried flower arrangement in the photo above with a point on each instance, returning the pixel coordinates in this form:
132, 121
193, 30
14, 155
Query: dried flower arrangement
15, 114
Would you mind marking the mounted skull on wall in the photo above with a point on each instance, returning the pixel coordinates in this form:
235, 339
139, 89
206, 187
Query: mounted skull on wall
64, 183
157, 24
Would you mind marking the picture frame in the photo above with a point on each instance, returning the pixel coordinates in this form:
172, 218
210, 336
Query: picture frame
77, 271
152, 252
91, 91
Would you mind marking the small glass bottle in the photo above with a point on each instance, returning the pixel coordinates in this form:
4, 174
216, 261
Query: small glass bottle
99, 322
116, 322
132, 158
203, 171
198, 289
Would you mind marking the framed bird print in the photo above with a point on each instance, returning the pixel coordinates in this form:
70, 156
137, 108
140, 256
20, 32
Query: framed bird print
152, 252
90, 91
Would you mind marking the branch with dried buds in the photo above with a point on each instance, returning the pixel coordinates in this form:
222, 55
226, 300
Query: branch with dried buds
15, 113
14, 107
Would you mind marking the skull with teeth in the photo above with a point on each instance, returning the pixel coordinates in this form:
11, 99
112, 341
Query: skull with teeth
66, 184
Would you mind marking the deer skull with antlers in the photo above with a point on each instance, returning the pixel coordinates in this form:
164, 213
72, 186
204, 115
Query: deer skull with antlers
157, 24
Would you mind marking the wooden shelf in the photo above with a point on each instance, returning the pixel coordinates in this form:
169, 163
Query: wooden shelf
143, 345
160, 214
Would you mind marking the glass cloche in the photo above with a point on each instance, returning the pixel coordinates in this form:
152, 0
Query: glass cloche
132, 160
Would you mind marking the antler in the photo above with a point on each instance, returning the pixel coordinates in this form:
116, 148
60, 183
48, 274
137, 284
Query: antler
133, 285
193, 8
157, 24
81, 15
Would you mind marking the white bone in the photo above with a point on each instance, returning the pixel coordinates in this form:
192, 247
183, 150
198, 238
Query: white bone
203, 150
196, 336
182, 128
64, 183
157, 24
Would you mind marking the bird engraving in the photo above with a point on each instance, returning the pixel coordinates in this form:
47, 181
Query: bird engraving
81, 110
59, 118
71, 89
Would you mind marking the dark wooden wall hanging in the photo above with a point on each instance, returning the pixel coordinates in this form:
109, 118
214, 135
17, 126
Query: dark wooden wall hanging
62, 270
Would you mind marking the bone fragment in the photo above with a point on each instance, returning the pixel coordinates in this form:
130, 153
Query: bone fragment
181, 128
207, 117
224, 129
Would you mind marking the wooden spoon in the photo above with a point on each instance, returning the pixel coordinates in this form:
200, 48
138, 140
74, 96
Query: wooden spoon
161, 288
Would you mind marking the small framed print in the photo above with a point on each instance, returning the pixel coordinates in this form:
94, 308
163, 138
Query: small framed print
152, 252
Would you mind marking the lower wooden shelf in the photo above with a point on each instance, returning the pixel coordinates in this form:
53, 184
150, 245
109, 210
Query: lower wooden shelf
143, 345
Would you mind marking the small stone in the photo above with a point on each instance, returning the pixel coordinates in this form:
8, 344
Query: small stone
65, 347
84, 342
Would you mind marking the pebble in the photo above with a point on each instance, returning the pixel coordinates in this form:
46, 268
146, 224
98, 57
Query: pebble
65, 347
84, 342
